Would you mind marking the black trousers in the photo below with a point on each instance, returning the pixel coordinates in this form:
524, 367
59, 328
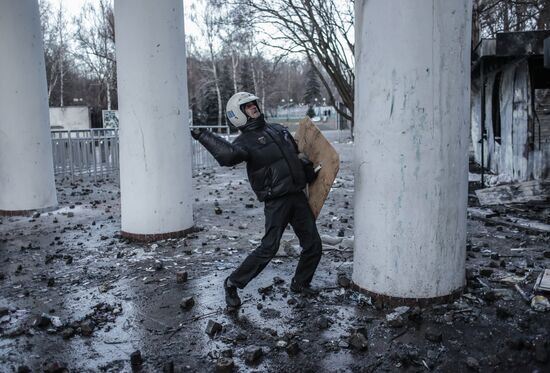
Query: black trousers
279, 212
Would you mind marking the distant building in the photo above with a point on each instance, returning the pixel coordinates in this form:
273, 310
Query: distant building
70, 118
510, 126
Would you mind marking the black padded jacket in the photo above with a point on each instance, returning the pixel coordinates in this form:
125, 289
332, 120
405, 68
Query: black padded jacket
271, 157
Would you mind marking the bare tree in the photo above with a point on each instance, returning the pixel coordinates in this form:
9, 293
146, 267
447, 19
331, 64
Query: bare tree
206, 16
494, 16
322, 31
95, 37
56, 49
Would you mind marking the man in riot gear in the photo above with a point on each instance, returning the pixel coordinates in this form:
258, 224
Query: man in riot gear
278, 175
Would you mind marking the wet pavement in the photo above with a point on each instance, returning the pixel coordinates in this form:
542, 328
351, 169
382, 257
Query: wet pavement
77, 297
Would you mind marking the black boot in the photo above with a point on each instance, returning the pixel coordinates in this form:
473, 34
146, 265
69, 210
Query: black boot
231, 296
303, 289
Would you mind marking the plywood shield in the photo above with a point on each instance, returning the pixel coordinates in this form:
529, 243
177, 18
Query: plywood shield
320, 151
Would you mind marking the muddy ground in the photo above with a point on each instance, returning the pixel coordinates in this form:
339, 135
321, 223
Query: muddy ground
77, 297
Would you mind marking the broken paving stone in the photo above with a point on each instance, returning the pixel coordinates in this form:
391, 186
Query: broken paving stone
135, 359
433, 335
187, 303
181, 277
213, 327
472, 363
225, 365
358, 341
252, 355
292, 349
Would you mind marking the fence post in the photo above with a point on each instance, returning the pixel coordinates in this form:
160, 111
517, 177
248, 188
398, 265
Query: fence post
93, 153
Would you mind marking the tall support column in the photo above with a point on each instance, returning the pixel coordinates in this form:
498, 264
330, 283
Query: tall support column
26, 161
412, 100
155, 144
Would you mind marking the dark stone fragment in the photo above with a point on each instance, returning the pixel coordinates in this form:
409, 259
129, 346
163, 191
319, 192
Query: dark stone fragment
293, 349
51, 282
433, 335
546, 254
516, 343
358, 342
168, 367
187, 303
344, 281
341, 232
67, 333
24, 369
323, 322
486, 272
278, 281
541, 353
252, 355
503, 312
4, 311
249, 205
135, 359
218, 211
213, 328
55, 367
158, 266
43, 321
181, 277
472, 363
225, 365
87, 328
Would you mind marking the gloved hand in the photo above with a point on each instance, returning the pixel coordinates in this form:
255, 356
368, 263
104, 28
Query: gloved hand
196, 133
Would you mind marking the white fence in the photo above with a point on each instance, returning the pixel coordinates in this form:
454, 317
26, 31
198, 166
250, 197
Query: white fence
94, 153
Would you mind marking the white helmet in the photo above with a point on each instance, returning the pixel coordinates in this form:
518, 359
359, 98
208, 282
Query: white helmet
233, 108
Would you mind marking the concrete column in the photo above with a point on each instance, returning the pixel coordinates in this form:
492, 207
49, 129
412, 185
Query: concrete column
155, 144
412, 93
26, 161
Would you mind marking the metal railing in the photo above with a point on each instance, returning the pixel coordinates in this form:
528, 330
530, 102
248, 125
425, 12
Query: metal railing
94, 152
89, 152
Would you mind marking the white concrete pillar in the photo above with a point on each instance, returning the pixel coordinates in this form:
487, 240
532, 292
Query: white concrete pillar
155, 144
412, 93
26, 161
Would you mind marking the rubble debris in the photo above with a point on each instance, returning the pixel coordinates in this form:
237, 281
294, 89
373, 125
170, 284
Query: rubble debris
344, 281
396, 318
213, 328
181, 277
540, 303
252, 355
543, 282
292, 349
23, 369
433, 335
55, 367
472, 363
528, 191
87, 328
168, 367
225, 365
43, 321
187, 303
358, 341
135, 359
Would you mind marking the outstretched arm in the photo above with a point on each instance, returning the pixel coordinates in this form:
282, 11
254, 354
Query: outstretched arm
226, 153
